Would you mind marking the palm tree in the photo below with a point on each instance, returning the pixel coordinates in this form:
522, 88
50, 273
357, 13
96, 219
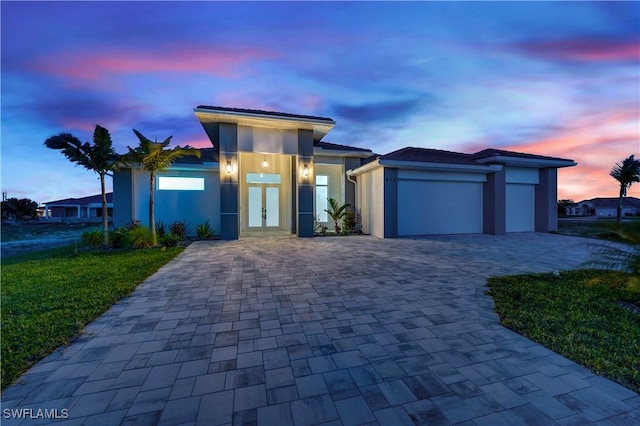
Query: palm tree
153, 157
99, 157
626, 172
336, 212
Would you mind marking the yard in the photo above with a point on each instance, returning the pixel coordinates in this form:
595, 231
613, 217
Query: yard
27, 237
48, 296
591, 227
587, 316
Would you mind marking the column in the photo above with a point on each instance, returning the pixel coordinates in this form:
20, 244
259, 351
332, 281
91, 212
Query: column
305, 183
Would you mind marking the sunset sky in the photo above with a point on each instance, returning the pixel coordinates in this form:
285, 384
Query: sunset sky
559, 79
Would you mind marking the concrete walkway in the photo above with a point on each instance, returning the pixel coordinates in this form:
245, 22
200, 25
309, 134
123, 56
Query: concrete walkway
352, 330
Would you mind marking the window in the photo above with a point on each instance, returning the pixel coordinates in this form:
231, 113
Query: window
273, 178
322, 194
179, 183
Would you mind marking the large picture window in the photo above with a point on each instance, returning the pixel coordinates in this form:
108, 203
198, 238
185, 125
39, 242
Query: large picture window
322, 194
180, 183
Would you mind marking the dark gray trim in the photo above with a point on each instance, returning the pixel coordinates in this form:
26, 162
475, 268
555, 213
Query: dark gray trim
494, 203
305, 185
294, 195
122, 197
229, 188
390, 202
546, 214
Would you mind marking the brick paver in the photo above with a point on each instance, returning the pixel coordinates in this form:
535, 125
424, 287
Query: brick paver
352, 330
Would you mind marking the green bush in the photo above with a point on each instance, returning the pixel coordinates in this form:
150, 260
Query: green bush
179, 228
204, 231
170, 240
120, 238
141, 237
160, 229
349, 221
92, 238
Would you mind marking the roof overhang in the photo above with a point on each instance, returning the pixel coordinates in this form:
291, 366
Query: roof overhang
527, 162
341, 152
320, 127
419, 165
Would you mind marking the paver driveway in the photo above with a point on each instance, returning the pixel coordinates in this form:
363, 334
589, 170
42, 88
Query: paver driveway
328, 330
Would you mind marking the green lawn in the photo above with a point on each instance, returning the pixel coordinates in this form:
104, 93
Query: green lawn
48, 296
596, 228
576, 315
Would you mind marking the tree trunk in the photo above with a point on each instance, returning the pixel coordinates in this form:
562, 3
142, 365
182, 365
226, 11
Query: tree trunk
152, 216
619, 215
105, 213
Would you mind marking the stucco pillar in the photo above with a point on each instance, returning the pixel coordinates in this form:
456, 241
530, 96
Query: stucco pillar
229, 178
546, 214
494, 203
305, 181
390, 202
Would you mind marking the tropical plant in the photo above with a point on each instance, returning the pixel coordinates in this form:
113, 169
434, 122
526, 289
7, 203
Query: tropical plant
204, 231
179, 228
615, 256
319, 228
336, 212
626, 172
99, 157
92, 238
153, 157
170, 240
160, 230
19, 209
141, 237
349, 221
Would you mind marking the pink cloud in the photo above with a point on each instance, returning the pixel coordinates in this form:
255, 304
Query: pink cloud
95, 64
585, 50
596, 143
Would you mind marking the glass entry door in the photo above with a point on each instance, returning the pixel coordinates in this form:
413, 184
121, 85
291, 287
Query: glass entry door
264, 206
263, 200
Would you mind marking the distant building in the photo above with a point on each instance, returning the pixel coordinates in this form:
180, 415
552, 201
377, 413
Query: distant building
604, 207
78, 207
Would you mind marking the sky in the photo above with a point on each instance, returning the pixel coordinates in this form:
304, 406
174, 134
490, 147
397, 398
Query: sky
553, 78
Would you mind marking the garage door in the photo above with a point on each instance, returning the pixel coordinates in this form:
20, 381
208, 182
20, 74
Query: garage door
520, 207
439, 207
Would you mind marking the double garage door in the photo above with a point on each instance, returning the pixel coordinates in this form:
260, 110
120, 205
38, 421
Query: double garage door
431, 207
439, 207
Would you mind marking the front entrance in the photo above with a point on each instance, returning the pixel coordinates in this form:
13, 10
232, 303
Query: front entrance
264, 206
263, 200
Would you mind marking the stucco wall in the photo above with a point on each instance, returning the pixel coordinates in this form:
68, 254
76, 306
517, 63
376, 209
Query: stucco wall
371, 186
193, 207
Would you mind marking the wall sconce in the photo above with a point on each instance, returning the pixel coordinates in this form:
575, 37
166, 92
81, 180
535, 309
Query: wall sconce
229, 167
264, 163
305, 171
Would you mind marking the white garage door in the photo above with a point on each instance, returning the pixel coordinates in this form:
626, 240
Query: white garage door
520, 208
439, 207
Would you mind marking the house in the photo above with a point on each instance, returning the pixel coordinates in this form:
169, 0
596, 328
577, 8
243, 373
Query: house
604, 207
85, 207
273, 171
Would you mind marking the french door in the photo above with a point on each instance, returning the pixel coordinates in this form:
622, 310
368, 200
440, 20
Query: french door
264, 206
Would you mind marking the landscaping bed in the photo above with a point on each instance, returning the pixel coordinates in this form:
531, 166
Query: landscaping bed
48, 296
587, 316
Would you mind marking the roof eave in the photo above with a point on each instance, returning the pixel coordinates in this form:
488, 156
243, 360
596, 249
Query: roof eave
531, 162
419, 165
320, 127
341, 152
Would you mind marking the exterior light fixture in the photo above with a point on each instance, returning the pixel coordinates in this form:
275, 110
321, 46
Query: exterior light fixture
264, 163
229, 168
305, 170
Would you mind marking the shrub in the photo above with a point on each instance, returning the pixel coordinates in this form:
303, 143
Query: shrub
170, 240
120, 238
349, 221
141, 237
179, 228
319, 228
160, 229
92, 238
133, 225
204, 231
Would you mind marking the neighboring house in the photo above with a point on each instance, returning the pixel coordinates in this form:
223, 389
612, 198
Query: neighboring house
78, 207
272, 171
604, 207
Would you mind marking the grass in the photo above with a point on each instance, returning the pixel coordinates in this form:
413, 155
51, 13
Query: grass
42, 228
48, 297
596, 228
576, 315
